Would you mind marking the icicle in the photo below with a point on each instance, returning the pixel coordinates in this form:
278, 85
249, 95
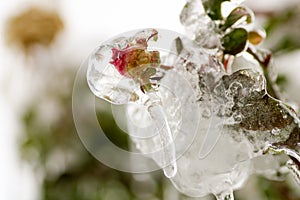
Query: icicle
167, 143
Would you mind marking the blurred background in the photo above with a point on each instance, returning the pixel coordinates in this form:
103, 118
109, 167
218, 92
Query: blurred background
42, 45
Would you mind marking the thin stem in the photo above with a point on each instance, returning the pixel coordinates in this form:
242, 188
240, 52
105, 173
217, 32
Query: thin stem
265, 62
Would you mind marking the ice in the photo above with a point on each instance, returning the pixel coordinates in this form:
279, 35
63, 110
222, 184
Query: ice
239, 122
208, 129
123, 71
191, 12
198, 25
105, 81
211, 171
166, 138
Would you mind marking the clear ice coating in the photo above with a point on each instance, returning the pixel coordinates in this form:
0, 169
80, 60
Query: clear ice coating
198, 25
242, 129
130, 69
238, 125
211, 129
166, 138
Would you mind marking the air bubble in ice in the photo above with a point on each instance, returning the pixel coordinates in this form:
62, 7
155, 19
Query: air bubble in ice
237, 118
275, 131
206, 113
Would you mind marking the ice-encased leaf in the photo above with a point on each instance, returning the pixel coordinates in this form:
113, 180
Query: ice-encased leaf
191, 12
235, 41
256, 37
213, 8
236, 15
199, 25
267, 123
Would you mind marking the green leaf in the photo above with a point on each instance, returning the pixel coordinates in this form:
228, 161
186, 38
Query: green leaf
213, 8
146, 87
282, 82
237, 14
285, 22
235, 41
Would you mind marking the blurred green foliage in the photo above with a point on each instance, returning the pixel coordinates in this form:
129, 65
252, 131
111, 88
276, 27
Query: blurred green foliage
112, 131
55, 151
276, 190
283, 29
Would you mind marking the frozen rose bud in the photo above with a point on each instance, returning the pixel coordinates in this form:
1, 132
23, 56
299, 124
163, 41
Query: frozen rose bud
129, 59
155, 57
134, 60
119, 60
142, 42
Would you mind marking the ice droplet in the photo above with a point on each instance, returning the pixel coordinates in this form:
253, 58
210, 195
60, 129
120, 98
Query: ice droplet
275, 131
206, 112
170, 170
237, 118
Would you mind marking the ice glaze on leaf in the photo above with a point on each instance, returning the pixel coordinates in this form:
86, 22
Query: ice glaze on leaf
235, 41
259, 111
213, 8
267, 123
236, 15
255, 37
